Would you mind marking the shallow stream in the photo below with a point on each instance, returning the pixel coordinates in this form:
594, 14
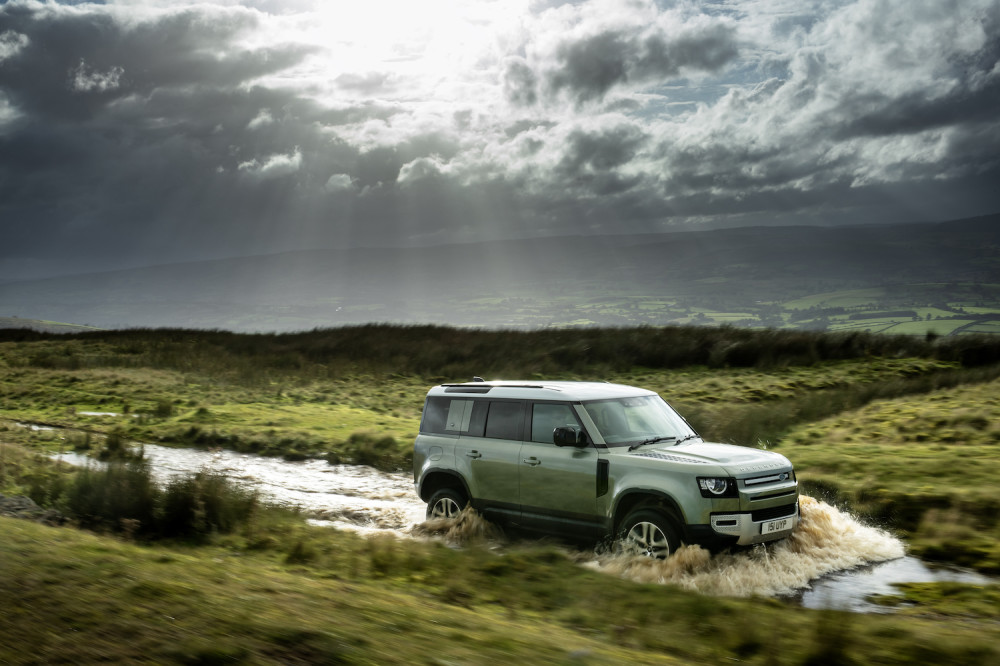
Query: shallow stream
831, 561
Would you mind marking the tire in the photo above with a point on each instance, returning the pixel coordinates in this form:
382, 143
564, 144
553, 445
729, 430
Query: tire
650, 533
445, 503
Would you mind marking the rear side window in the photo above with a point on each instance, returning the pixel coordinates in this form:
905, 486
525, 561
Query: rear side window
435, 411
504, 420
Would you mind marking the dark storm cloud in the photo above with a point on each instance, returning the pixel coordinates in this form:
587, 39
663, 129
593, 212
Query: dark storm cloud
117, 124
589, 67
157, 131
190, 48
877, 114
590, 160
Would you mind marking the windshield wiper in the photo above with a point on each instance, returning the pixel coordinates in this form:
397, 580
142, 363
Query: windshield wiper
651, 440
687, 437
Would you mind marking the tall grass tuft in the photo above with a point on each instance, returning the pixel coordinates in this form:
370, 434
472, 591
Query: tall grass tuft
123, 497
197, 506
116, 448
122, 491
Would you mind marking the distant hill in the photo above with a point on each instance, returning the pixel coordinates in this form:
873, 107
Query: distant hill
43, 326
740, 276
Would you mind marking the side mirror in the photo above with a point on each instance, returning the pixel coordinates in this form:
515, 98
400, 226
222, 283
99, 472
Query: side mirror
569, 436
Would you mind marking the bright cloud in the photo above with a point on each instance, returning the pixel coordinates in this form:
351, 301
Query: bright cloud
85, 79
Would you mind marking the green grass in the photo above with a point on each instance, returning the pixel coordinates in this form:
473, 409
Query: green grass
952, 600
355, 396
903, 429
926, 465
844, 299
285, 399
75, 597
944, 327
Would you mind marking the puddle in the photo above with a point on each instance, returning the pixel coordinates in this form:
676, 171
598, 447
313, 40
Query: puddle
848, 590
33, 427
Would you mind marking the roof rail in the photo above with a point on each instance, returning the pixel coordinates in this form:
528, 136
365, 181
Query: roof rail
485, 384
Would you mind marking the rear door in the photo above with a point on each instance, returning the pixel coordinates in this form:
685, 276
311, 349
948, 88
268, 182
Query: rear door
487, 453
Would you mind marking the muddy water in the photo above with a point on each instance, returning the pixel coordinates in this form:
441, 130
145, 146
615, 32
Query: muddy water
831, 561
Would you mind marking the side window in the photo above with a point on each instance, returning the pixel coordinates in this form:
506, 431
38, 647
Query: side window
459, 415
477, 424
546, 417
504, 420
452, 416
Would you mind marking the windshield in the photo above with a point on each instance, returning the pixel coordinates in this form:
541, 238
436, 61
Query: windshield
627, 421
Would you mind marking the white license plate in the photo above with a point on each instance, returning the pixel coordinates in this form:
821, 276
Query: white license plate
772, 526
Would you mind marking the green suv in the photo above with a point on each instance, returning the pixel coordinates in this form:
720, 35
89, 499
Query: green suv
593, 460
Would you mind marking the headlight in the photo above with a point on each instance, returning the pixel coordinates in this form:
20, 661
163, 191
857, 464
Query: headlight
717, 487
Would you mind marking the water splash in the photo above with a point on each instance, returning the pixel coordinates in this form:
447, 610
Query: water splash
465, 529
825, 540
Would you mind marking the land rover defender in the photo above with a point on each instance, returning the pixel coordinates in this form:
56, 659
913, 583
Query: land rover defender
596, 460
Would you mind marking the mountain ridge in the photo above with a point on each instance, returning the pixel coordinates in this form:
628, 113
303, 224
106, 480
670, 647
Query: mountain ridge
305, 289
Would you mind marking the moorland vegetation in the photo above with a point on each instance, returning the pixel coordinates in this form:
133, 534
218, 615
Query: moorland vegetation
902, 430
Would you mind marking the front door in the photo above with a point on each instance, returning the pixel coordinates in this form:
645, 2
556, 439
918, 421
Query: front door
558, 484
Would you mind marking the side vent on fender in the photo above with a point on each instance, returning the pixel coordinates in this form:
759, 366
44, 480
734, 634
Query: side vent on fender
603, 471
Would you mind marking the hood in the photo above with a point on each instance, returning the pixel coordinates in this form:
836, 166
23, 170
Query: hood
737, 460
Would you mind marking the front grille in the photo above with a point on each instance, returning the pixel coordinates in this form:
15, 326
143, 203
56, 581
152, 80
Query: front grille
772, 513
770, 478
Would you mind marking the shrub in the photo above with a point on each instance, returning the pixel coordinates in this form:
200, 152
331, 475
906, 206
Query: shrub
197, 506
116, 448
123, 497
123, 490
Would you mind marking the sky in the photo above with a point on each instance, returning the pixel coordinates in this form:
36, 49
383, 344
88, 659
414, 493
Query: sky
141, 132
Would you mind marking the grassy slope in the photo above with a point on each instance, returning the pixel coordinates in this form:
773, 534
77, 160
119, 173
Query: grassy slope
925, 464
74, 597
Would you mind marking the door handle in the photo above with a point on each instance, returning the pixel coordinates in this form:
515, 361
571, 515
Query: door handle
532, 461
474, 454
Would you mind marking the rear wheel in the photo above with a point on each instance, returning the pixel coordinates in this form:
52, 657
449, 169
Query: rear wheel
650, 533
445, 503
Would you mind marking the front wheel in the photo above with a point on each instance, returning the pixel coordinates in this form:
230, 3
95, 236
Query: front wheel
445, 503
648, 532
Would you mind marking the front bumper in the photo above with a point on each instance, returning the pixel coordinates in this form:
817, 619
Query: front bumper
748, 531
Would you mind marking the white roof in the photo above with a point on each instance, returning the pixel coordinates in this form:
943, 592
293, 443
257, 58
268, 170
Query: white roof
540, 390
